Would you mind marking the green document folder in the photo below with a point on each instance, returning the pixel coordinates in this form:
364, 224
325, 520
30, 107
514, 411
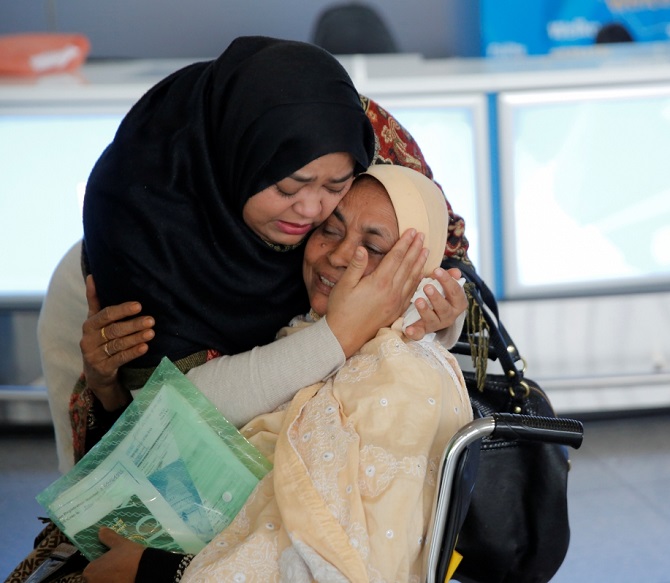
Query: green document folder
171, 473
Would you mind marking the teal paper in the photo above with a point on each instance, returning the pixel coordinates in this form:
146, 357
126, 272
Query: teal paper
171, 473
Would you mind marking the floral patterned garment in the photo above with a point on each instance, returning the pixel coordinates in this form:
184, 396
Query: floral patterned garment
395, 145
356, 459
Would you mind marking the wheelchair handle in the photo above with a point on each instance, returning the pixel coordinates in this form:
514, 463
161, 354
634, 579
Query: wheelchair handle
548, 429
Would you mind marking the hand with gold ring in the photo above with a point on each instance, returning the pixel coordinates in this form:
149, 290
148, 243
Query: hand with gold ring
105, 346
111, 337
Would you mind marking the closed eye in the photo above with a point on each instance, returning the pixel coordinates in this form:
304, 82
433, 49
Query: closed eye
330, 232
375, 251
283, 192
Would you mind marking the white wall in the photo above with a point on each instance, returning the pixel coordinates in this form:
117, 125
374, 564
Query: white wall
597, 353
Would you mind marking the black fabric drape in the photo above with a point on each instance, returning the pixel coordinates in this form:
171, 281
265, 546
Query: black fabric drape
163, 207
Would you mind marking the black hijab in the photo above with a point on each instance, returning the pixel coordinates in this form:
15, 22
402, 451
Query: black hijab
163, 207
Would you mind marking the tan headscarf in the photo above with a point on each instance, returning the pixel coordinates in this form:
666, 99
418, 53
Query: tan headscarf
418, 203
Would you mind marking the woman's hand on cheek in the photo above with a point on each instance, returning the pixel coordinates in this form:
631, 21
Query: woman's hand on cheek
360, 305
119, 564
445, 309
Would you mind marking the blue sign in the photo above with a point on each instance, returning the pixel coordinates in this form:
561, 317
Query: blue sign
522, 27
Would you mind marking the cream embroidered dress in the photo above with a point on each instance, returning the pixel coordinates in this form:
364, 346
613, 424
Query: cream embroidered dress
355, 459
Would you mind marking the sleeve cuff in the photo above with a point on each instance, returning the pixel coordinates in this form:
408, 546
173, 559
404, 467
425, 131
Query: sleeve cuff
99, 422
449, 336
329, 344
159, 566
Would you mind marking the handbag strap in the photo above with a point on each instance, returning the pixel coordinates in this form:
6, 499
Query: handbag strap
494, 342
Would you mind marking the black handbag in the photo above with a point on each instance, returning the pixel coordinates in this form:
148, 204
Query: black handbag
516, 529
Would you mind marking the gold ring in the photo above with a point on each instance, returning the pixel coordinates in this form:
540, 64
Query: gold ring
106, 349
104, 336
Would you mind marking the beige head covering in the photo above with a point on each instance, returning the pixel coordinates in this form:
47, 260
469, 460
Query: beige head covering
419, 203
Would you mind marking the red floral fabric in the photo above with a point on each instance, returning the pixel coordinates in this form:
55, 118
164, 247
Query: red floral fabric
395, 145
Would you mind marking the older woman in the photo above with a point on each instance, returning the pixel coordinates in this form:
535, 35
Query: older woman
355, 456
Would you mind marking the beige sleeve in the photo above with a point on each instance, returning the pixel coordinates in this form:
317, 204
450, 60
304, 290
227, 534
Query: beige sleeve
449, 336
58, 332
244, 385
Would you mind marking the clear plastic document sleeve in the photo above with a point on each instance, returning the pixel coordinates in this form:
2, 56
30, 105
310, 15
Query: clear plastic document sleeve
171, 473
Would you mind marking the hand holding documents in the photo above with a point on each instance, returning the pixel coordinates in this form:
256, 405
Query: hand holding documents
171, 473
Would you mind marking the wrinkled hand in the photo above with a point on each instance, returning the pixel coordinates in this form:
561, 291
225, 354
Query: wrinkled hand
119, 564
445, 309
360, 305
108, 342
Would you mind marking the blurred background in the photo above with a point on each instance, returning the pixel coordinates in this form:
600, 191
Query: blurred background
547, 123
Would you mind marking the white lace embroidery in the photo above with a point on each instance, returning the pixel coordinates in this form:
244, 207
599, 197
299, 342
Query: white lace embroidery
353, 467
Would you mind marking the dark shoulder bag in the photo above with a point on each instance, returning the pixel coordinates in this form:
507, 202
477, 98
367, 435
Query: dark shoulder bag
516, 528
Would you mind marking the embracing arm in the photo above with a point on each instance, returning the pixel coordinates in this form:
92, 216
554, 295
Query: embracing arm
241, 386
245, 385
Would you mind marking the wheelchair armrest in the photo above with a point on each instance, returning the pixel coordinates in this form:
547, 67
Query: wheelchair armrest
547, 429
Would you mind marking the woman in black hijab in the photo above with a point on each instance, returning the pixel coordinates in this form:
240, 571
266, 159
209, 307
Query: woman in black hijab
166, 220
163, 208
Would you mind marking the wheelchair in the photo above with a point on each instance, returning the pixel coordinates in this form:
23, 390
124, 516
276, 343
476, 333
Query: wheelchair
451, 496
